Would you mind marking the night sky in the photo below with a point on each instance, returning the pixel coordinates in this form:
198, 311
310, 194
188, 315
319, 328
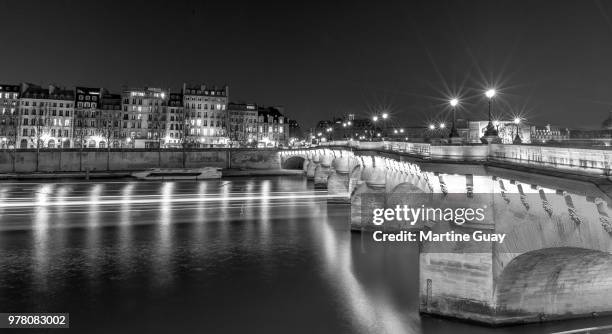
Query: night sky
550, 60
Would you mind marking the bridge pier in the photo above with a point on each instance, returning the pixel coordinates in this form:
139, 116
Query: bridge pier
369, 195
338, 182
312, 166
322, 171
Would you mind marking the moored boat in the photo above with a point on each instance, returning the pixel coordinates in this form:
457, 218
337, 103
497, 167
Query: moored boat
179, 173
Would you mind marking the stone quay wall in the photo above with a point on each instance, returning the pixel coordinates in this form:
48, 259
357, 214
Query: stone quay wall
75, 160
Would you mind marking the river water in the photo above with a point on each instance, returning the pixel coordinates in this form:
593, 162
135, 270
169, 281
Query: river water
264, 255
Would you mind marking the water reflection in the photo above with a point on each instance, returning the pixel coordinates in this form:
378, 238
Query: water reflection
41, 236
270, 253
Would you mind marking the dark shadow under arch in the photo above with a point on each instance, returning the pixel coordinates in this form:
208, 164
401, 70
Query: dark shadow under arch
293, 163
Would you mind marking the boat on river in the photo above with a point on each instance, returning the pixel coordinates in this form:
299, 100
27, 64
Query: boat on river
204, 173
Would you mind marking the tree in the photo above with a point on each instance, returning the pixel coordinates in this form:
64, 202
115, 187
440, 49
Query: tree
183, 140
105, 129
40, 131
159, 130
80, 132
13, 132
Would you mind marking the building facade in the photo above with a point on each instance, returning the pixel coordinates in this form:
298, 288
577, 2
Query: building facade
87, 127
295, 131
46, 117
548, 134
205, 115
110, 120
272, 127
243, 118
143, 121
175, 121
9, 115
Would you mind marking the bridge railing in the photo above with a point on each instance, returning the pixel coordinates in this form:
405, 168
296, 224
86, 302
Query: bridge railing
589, 160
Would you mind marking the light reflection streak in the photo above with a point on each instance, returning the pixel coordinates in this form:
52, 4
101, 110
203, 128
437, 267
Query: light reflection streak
93, 233
200, 216
223, 214
125, 229
161, 263
370, 310
3, 192
264, 212
94, 202
125, 204
41, 236
183, 198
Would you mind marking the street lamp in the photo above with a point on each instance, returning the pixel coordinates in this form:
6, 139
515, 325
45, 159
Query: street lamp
385, 115
491, 131
442, 125
517, 138
432, 127
453, 132
375, 118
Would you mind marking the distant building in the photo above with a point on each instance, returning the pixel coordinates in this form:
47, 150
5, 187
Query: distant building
175, 121
46, 117
110, 118
272, 127
143, 122
409, 133
206, 115
243, 118
506, 131
548, 134
9, 115
295, 131
87, 122
347, 127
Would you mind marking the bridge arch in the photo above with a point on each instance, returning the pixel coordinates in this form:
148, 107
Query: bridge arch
294, 162
550, 282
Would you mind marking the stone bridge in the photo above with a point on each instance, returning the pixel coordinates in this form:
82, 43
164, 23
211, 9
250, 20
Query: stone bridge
556, 259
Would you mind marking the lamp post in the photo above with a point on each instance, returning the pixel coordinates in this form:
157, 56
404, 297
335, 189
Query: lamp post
517, 138
329, 130
61, 148
454, 135
385, 116
491, 134
374, 119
